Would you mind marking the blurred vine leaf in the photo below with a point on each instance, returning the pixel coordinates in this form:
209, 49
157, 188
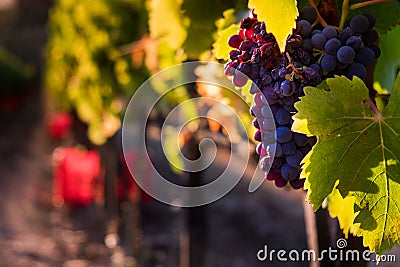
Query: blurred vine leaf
389, 62
86, 71
279, 17
359, 150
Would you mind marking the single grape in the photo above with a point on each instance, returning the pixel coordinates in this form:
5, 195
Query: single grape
277, 163
288, 172
315, 32
370, 36
235, 41
306, 44
332, 46
283, 134
312, 77
365, 56
356, 69
295, 159
345, 54
328, 63
280, 182
246, 45
304, 28
288, 148
274, 174
286, 88
261, 151
354, 42
297, 183
329, 32
359, 24
300, 139
318, 41
316, 67
282, 117
308, 13
255, 123
376, 49
371, 19
257, 136
239, 80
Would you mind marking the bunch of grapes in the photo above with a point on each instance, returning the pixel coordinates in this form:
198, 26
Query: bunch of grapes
279, 78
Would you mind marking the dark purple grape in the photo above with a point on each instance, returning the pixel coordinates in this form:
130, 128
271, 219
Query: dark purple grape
257, 136
371, 19
255, 123
282, 117
365, 56
288, 148
328, 63
306, 44
246, 45
300, 139
286, 88
308, 13
303, 27
345, 54
316, 67
297, 183
376, 49
235, 41
288, 172
332, 46
354, 42
359, 24
283, 134
274, 174
280, 182
311, 76
318, 41
370, 36
356, 69
277, 163
295, 159
329, 32
289, 108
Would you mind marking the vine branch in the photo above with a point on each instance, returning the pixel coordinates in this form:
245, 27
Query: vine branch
319, 17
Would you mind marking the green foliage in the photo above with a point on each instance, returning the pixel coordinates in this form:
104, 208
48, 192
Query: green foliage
357, 148
279, 17
389, 62
86, 69
13, 72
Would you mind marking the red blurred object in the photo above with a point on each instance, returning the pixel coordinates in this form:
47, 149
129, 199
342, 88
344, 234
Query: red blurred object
127, 188
59, 125
75, 176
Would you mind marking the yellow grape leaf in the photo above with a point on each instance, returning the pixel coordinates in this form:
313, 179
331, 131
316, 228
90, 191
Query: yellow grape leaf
343, 209
279, 17
221, 46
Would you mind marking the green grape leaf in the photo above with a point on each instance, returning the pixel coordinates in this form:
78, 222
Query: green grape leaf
221, 47
279, 17
359, 149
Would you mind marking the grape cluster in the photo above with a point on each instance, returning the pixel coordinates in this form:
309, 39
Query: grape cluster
330, 52
311, 55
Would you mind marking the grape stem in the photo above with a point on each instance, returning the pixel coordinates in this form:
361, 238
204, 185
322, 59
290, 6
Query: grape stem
346, 8
374, 108
319, 17
383, 95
